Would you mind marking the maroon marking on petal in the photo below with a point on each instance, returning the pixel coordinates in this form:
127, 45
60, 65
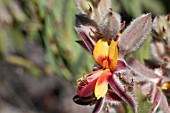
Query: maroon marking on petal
122, 93
156, 100
86, 39
99, 105
86, 89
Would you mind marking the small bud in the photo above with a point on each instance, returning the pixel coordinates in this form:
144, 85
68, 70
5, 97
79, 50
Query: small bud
161, 27
110, 25
161, 34
84, 6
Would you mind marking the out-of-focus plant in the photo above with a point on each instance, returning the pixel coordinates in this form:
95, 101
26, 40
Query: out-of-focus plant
136, 7
46, 23
12, 30
64, 54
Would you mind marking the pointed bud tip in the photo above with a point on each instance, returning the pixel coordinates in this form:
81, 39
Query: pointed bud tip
78, 30
147, 16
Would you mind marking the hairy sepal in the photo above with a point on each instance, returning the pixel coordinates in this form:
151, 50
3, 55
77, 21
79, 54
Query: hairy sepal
135, 35
164, 104
99, 105
140, 69
156, 95
120, 90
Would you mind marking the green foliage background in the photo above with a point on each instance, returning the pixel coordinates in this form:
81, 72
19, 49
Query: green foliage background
50, 24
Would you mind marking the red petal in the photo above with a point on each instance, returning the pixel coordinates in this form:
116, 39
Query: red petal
86, 89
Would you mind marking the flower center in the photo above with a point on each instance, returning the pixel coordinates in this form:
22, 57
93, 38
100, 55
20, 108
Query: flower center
106, 55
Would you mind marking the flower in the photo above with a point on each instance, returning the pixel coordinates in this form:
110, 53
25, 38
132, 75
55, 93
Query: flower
112, 80
106, 56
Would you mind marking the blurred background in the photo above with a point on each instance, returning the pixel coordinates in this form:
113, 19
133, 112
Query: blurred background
39, 58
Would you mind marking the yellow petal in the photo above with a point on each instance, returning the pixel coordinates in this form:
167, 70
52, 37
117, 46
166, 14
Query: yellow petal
113, 55
165, 86
100, 52
102, 84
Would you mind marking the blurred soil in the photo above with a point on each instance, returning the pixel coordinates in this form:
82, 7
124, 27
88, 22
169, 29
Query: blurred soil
21, 93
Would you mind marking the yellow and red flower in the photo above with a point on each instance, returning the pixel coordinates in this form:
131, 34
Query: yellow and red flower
105, 54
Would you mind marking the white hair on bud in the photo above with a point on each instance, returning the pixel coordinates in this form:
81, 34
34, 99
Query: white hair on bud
110, 24
135, 35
